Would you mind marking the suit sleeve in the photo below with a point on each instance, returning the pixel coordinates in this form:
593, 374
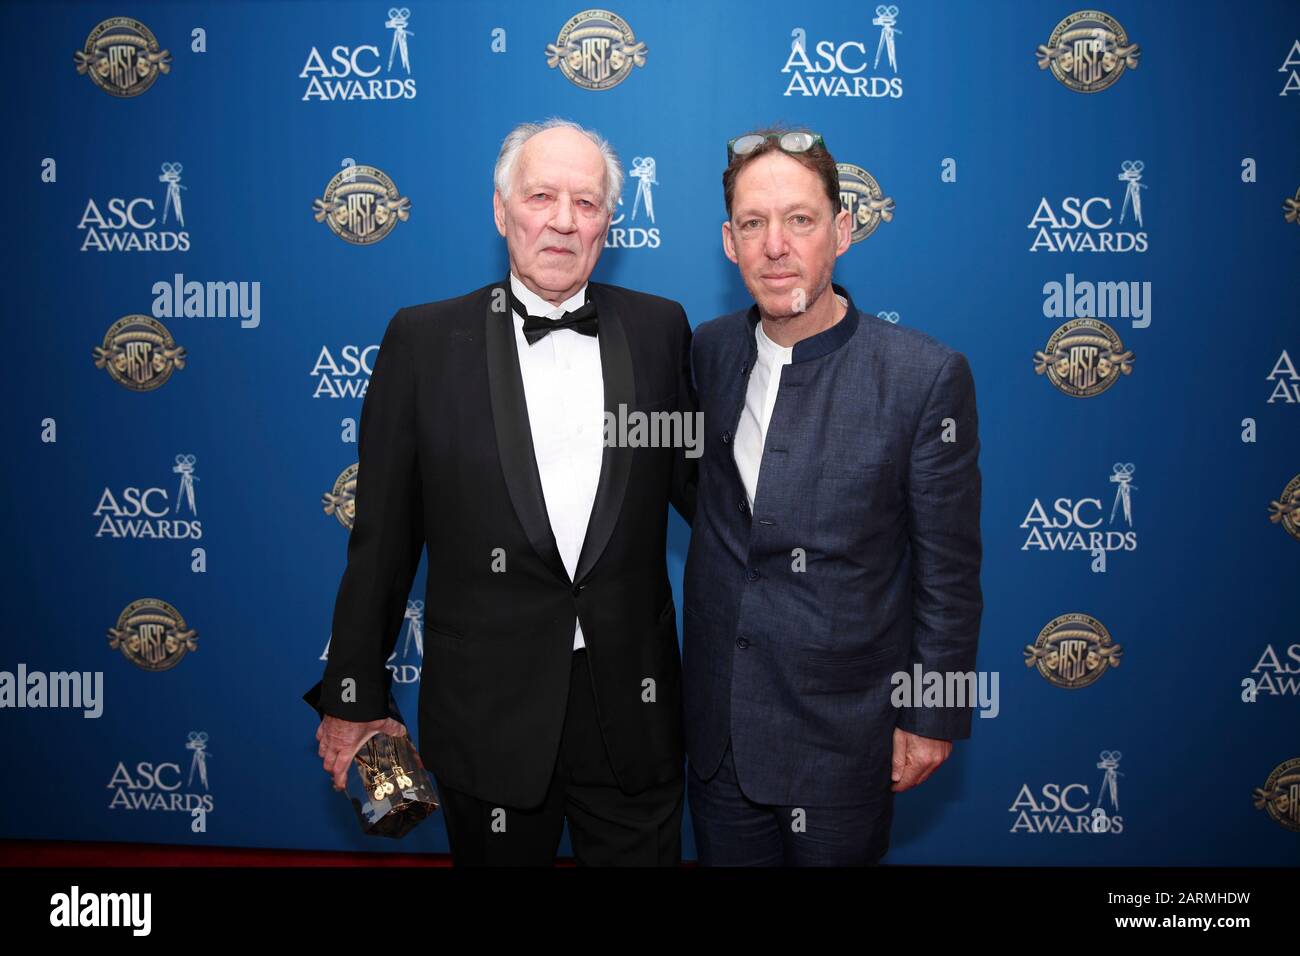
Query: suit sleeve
944, 526
686, 469
384, 545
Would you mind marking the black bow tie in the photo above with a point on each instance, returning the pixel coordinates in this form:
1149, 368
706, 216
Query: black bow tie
582, 320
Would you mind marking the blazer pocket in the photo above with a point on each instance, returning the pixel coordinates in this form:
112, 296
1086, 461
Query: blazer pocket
442, 637
833, 468
847, 675
860, 661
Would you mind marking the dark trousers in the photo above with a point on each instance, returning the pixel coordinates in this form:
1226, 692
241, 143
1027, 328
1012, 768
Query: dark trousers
606, 826
732, 830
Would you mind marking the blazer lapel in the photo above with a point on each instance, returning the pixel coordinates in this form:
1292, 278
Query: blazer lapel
616, 461
734, 390
514, 435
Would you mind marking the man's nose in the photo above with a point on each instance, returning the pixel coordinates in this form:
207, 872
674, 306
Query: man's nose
564, 219
774, 242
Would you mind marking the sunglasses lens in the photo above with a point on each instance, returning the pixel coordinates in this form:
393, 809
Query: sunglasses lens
797, 141
746, 144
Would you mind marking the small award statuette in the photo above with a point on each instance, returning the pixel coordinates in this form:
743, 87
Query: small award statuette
389, 788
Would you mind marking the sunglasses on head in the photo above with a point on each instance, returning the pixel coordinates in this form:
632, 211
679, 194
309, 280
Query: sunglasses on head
794, 141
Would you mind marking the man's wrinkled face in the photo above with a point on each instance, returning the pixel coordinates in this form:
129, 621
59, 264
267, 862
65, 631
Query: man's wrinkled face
555, 220
784, 235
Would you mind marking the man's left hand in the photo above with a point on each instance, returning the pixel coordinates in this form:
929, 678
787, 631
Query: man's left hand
915, 758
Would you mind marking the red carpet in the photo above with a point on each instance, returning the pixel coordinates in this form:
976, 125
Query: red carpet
58, 853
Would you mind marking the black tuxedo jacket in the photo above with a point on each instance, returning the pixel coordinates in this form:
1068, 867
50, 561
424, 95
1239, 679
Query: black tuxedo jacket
446, 460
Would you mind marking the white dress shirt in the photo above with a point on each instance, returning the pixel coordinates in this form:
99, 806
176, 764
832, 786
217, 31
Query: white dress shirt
760, 399
565, 392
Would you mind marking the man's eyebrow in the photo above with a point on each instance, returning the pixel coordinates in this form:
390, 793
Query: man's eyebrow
531, 186
803, 206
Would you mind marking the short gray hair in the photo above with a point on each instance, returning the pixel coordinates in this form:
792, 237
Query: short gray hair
514, 142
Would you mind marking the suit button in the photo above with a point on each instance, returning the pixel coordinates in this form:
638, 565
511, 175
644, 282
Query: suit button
577, 588
726, 438
744, 506
752, 574
742, 642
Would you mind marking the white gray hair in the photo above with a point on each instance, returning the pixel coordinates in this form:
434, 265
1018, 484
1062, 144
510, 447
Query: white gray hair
503, 175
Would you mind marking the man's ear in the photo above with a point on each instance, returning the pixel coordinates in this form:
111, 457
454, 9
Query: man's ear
499, 211
728, 242
609, 221
843, 232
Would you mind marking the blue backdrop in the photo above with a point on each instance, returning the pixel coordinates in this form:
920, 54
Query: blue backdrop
983, 154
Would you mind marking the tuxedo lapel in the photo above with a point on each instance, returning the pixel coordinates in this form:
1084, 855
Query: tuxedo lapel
616, 460
514, 435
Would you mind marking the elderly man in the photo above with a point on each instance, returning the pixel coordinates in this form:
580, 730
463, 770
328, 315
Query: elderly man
836, 539
551, 686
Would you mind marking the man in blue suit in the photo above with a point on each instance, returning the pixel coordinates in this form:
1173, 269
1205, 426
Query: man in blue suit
836, 537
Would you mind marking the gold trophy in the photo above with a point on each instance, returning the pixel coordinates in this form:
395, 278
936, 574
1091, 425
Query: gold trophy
389, 788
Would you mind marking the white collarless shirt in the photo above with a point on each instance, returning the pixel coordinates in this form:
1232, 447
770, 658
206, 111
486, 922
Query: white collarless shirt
760, 399
565, 393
